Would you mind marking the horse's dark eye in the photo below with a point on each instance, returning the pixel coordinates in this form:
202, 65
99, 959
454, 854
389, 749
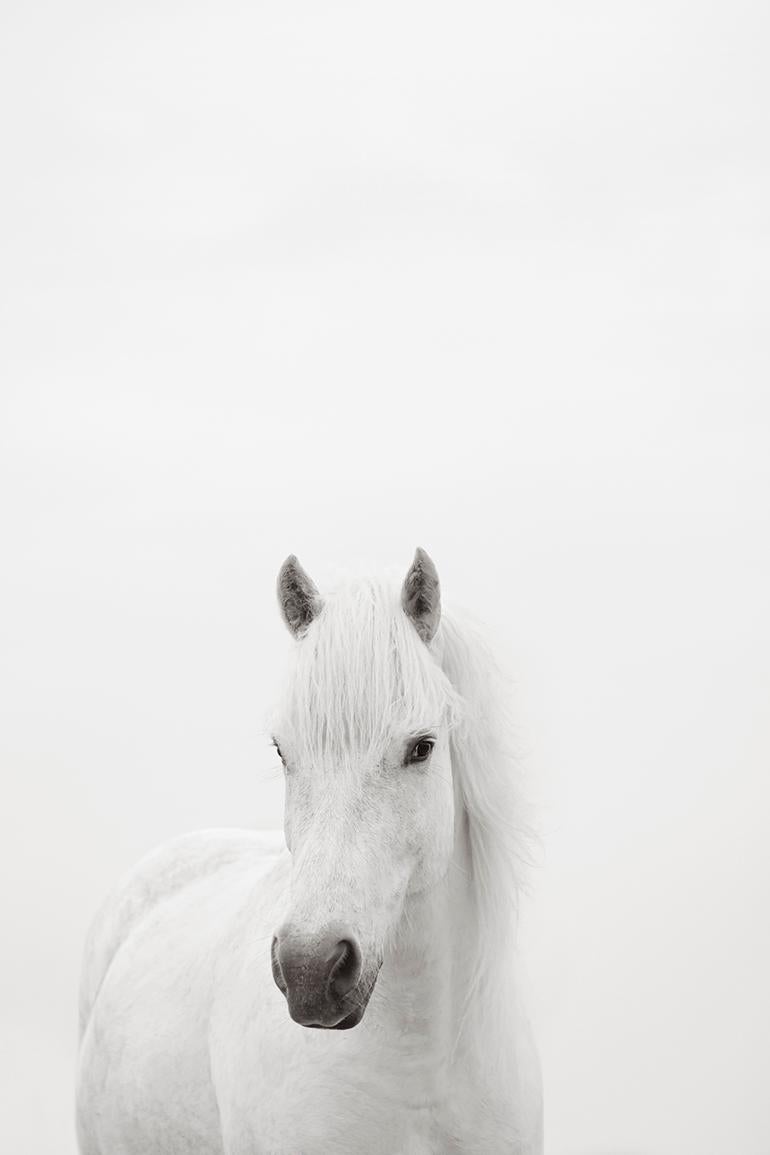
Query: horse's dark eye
278, 750
421, 750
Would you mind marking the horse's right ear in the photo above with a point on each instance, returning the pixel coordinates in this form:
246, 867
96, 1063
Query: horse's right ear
298, 597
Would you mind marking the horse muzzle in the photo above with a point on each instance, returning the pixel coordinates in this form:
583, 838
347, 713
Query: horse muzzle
322, 977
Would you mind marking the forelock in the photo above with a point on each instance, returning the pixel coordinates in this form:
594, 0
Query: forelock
360, 674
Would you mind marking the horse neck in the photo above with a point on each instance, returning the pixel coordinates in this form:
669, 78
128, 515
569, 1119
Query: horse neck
426, 973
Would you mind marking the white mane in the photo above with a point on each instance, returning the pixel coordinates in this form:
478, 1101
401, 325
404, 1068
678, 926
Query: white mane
486, 768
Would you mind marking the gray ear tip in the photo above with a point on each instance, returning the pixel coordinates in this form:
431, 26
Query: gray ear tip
423, 560
291, 572
288, 567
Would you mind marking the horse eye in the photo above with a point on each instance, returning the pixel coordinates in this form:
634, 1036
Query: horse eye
278, 750
421, 750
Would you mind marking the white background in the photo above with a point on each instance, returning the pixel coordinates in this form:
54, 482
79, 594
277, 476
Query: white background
342, 279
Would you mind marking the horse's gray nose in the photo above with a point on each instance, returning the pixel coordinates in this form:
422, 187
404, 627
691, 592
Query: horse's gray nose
316, 973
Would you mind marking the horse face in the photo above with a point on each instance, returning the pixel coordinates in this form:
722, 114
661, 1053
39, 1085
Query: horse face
369, 815
362, 836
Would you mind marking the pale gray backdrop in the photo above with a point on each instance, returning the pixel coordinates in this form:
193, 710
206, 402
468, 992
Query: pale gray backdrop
342, 279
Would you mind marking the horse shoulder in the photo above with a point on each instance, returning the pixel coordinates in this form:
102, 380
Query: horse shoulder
159, 875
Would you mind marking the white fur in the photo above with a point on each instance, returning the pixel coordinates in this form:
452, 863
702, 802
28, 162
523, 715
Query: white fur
187, 1044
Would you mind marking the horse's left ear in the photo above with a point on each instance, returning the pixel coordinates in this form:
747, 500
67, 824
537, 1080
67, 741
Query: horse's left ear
298, 597
421, 596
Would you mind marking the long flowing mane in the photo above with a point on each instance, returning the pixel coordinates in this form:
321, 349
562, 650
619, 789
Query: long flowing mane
485, 762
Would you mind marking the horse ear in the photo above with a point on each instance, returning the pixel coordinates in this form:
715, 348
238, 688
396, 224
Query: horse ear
421, 596
298, 597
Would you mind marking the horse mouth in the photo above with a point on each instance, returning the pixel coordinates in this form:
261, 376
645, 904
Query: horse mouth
351, 1020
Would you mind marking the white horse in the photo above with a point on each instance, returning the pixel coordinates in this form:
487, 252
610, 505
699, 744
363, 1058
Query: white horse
388, 922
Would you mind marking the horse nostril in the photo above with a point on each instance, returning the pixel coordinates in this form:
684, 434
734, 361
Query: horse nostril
275, 962
346, 967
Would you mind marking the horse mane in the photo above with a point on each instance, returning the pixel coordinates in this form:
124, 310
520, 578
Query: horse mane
485, 762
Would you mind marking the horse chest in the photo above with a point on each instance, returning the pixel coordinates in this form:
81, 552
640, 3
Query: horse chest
350, 1125
321, 1093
